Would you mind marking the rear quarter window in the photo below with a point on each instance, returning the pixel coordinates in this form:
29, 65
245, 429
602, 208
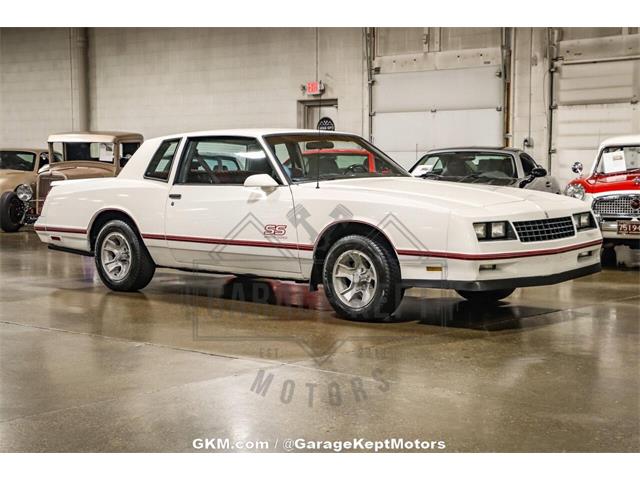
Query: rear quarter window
160, 165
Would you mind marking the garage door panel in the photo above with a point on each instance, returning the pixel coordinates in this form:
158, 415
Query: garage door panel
594, 83
621, 94
470, 88
402, 131
405, 133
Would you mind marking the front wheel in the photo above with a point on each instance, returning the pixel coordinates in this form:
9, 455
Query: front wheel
361, 277
122, 260
489, 296
12, 212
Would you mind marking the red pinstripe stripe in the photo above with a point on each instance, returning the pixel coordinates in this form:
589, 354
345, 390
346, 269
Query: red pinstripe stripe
498, 256
412, 253
46, 228
223, 241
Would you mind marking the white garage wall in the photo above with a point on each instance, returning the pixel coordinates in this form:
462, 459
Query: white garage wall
35, 85
159, 81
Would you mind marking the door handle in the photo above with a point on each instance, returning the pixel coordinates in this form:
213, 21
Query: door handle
175, 196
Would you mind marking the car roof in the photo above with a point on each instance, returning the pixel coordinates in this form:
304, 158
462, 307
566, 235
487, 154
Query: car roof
252, 132
24, 149
104, 137
475, 149
621, 140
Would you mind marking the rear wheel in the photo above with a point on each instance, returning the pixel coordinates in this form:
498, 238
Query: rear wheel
361, 277
489, 296
122, 260
12, 212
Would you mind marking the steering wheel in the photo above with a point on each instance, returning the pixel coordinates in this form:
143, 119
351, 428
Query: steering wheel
354, 168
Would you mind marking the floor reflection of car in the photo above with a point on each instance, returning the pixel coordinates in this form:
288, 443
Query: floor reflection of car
299, 208
612, 188
18, 172
481, 165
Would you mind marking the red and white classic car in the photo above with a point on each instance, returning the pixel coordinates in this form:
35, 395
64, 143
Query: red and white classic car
612, 188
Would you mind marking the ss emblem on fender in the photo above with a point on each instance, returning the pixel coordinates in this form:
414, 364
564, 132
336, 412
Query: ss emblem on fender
275, 230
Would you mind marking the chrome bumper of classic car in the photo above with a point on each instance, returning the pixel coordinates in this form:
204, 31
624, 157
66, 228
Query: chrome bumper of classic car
618, 216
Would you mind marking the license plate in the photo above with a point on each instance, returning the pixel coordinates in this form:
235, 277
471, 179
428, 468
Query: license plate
629, 228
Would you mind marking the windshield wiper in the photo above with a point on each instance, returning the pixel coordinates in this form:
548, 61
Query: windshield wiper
471, 175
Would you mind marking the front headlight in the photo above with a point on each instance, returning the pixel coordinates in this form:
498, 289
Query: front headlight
584, 221
575, 190
494, 231
24, 192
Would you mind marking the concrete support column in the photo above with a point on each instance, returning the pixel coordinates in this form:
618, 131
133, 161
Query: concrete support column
79, 65
530, 92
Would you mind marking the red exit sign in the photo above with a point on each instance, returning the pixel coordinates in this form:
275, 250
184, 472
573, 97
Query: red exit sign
314, 88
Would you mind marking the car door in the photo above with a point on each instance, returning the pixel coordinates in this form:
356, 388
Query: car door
214, 222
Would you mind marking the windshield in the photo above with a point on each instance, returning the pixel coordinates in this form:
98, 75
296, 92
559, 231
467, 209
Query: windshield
466, 164
619, 159
307, 157
102, 152
23, 161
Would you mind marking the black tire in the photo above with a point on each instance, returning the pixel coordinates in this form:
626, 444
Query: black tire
141, 267
388, 292
608, 257
488, 296
11, 212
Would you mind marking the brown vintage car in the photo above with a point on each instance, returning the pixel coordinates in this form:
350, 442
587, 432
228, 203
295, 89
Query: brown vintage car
18, 174
85, 155
76, 155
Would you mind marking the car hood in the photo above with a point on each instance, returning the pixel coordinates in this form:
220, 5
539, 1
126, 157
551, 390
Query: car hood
454, 195
81, 169
610, 182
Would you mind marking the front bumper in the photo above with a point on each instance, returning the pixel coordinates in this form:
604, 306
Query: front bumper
609, 229
499, 284
500, 268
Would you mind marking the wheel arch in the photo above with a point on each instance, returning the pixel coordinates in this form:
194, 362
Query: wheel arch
101, 218
333, 232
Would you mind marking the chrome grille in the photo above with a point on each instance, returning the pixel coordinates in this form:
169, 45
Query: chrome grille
615, 206
44, 187
541, 230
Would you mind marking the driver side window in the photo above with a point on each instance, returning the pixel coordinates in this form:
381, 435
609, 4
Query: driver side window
223, 161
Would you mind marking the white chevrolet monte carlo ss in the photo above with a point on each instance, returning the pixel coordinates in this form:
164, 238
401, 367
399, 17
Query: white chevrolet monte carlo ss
320, 207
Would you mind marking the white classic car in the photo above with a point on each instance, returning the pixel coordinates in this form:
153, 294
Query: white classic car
301, 205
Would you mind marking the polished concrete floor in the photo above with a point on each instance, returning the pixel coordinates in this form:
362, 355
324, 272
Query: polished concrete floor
85, 369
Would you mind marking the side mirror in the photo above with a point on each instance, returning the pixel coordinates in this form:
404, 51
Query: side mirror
421, 170
538, 172
577, 168
261, 180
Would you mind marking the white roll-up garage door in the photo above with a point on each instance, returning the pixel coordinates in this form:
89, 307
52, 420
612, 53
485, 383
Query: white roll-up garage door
418, 111
594, 101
